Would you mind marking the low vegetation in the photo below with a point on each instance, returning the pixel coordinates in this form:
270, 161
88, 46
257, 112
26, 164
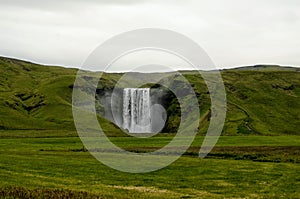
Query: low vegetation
41, 155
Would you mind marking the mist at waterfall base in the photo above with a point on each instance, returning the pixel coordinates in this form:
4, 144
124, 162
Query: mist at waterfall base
135, 110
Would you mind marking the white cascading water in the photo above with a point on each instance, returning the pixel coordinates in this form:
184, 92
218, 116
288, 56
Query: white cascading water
136, 110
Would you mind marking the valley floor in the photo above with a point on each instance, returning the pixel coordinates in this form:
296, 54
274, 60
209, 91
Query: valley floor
55, 164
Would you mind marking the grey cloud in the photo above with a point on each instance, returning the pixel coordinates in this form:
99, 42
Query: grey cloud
65, 4
233, 32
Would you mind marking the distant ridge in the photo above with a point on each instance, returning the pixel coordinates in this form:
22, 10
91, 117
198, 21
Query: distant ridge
266, 68
251, 67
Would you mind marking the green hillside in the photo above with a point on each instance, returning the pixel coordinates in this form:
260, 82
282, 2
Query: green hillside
262, 101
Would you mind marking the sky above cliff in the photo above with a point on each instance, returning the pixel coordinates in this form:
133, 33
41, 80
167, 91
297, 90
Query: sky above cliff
232, 32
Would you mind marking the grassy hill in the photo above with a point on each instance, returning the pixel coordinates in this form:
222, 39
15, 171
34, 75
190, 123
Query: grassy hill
262, 100
35, 97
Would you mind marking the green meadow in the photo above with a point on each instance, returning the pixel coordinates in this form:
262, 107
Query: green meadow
60, 166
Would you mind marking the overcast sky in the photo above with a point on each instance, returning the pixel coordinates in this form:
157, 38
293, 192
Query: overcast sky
232, 32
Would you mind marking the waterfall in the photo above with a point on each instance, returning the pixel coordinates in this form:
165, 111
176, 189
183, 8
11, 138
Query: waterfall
136, 110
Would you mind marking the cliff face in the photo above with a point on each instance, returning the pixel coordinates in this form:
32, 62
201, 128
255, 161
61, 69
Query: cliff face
110, 105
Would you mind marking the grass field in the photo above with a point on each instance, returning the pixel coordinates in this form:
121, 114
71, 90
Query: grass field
49, 166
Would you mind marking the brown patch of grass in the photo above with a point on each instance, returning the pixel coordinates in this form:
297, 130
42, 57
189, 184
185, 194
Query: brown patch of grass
254, 153
25, 193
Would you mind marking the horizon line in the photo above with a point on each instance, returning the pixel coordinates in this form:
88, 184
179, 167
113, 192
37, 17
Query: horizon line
183, 70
